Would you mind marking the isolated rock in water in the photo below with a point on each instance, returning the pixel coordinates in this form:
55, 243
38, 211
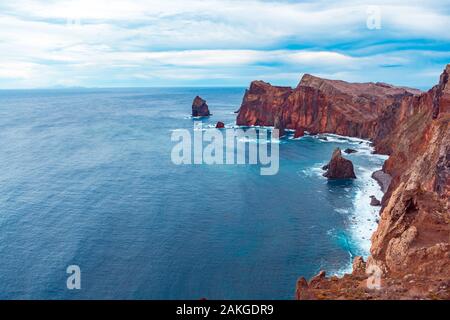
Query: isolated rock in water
299, 132
348, 151
323, 138
339, 167
374, 201
200, 108
220, 125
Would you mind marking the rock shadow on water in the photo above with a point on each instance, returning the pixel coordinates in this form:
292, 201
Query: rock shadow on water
341, 184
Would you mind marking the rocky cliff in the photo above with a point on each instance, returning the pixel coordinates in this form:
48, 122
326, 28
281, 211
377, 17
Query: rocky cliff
411, 247
325, 106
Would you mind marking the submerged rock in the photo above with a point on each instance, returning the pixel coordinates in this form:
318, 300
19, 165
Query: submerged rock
339, 167
220, 125
349, 151
200, 108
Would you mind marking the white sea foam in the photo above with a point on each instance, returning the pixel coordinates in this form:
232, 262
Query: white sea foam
314, 170
363, 218
292, 138
363, 147
342, 211
344, 139
253, 140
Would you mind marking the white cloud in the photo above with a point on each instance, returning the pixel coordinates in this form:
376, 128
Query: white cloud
154, 40
18, 70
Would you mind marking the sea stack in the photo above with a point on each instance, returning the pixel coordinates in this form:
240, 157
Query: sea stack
339, 167
299, 132
200, 108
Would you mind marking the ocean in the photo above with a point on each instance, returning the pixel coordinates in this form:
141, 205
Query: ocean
86, 179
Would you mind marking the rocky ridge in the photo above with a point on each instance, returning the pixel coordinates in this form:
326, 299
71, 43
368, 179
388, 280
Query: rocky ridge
411, 246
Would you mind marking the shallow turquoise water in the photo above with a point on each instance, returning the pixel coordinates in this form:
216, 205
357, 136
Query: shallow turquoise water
86, 178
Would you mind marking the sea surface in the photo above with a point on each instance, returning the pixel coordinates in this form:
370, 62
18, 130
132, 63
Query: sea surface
86, 179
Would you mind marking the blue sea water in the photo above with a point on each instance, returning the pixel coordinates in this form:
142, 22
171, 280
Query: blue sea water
86, 179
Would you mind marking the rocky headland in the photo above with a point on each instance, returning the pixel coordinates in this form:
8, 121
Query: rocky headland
410, 249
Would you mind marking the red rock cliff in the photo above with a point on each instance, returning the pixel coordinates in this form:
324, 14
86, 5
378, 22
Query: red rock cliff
411, 247
324, 106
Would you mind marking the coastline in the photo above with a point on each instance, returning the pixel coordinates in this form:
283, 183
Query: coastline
412, 237
363, 218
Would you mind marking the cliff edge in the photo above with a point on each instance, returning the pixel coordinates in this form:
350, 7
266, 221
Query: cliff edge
410, 252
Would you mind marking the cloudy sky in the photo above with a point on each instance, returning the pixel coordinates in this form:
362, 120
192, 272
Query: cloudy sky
112, 43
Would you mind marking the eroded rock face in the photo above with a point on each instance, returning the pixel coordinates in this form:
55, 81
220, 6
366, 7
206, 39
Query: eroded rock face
339, 167
411, 246
200, 108
261, 103
299, 132
321, 106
